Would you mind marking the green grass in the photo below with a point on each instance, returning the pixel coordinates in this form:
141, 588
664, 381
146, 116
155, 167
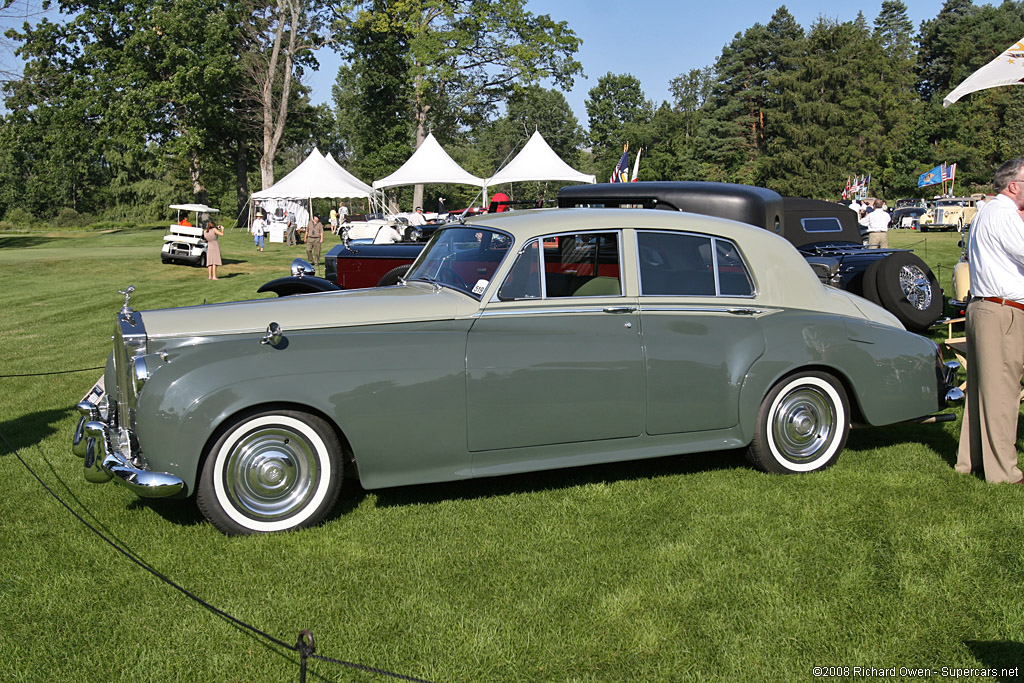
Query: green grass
686, 568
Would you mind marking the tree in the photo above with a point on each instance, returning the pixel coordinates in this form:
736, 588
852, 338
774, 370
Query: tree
138, 78
615, 104
279, 37
465, 58
746, 92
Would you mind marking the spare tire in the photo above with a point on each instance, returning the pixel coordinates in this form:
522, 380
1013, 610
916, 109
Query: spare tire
392, 276
869, 285
909, 290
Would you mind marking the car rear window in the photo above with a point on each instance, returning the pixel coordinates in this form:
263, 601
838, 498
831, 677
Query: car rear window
681, 264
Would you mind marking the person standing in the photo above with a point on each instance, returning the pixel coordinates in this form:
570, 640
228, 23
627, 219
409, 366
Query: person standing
995, 333
314, 239
334, 220
290, 229
213, 259
259, 229
877, 223
342, 214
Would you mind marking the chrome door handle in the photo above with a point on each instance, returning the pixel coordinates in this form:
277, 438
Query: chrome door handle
745, 311
620, 309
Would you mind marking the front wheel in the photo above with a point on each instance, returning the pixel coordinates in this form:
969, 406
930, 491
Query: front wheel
273, 470
802, 425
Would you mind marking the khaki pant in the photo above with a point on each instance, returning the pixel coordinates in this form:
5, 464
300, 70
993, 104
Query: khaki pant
878, 239
995, 363
313, 251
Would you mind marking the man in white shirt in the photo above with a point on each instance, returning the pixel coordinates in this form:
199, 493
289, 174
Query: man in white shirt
995, 333
877, 223
416, 217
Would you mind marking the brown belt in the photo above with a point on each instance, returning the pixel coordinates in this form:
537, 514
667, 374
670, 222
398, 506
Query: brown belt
1003, 302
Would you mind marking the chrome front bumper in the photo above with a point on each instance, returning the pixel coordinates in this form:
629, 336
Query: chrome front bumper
954, 394
103, 462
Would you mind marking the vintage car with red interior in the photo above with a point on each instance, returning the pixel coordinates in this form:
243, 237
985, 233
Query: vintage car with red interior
518, 342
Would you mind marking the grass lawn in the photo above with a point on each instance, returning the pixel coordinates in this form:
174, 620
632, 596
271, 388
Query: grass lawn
685, 568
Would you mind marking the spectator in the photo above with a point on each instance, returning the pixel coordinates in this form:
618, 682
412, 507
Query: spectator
995, 333
416, 217
314, 240
877, 223
212, 248
259, 229
290, 223
334, 220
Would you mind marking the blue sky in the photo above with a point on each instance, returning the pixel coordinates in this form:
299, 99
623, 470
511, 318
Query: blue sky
657, 40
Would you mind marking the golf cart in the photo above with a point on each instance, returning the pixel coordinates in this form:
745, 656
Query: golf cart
184, 241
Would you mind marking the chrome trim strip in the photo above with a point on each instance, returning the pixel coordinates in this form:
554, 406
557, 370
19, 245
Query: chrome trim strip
723, 308
596, 308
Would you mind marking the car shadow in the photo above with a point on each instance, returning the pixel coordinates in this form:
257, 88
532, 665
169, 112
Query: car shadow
934, 436
1004, 656
29, 430
353, 494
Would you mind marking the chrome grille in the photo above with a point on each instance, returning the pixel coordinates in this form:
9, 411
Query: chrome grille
129, 342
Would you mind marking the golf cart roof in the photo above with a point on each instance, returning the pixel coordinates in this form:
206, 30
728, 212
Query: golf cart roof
193, 207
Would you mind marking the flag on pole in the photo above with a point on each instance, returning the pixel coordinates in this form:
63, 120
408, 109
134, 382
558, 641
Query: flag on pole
636, 166
621, 172
948, 172
1006, 69
932, 177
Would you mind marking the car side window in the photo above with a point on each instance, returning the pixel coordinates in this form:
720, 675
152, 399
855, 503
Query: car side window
523, 281
679, 264
573, 265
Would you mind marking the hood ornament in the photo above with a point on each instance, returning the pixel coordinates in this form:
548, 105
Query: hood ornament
126, 310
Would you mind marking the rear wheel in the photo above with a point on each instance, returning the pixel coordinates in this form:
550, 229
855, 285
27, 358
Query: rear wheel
272, 470
802, 425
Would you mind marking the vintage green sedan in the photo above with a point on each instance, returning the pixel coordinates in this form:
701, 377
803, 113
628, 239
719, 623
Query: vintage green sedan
520, 342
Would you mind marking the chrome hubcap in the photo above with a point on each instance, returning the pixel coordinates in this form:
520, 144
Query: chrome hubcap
804, 424
915, 286
271, 472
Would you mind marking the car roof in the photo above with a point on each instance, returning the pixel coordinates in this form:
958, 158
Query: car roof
783, 276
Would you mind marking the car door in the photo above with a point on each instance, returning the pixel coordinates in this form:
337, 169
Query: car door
556, 358
700, 330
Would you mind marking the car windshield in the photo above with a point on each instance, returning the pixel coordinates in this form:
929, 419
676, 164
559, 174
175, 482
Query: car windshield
463, 258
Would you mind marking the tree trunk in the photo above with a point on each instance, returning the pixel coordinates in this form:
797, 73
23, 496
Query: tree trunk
195, 171
274, 117
421, 135
241, 173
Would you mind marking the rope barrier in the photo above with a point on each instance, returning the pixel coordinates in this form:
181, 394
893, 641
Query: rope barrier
55, 372
305, 647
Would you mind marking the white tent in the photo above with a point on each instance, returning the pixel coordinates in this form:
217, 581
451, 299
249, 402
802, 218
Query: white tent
316, 177
537, 161
429, 164
1006, 69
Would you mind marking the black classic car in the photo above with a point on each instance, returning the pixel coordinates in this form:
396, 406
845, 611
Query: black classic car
825, 233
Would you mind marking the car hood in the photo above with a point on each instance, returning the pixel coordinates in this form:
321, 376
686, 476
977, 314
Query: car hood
409, 303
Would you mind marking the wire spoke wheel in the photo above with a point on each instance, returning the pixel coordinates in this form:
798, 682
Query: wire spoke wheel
916, 287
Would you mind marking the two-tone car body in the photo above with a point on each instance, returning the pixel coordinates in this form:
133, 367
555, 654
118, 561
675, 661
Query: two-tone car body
522, 342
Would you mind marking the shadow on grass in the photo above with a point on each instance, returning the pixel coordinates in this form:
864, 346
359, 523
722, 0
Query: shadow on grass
29, 430
934, 436
999, 654
24, 241
353, 493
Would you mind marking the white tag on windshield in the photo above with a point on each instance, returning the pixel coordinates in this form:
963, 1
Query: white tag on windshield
480, 286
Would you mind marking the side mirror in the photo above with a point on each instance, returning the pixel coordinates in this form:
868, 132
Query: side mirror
302, 268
